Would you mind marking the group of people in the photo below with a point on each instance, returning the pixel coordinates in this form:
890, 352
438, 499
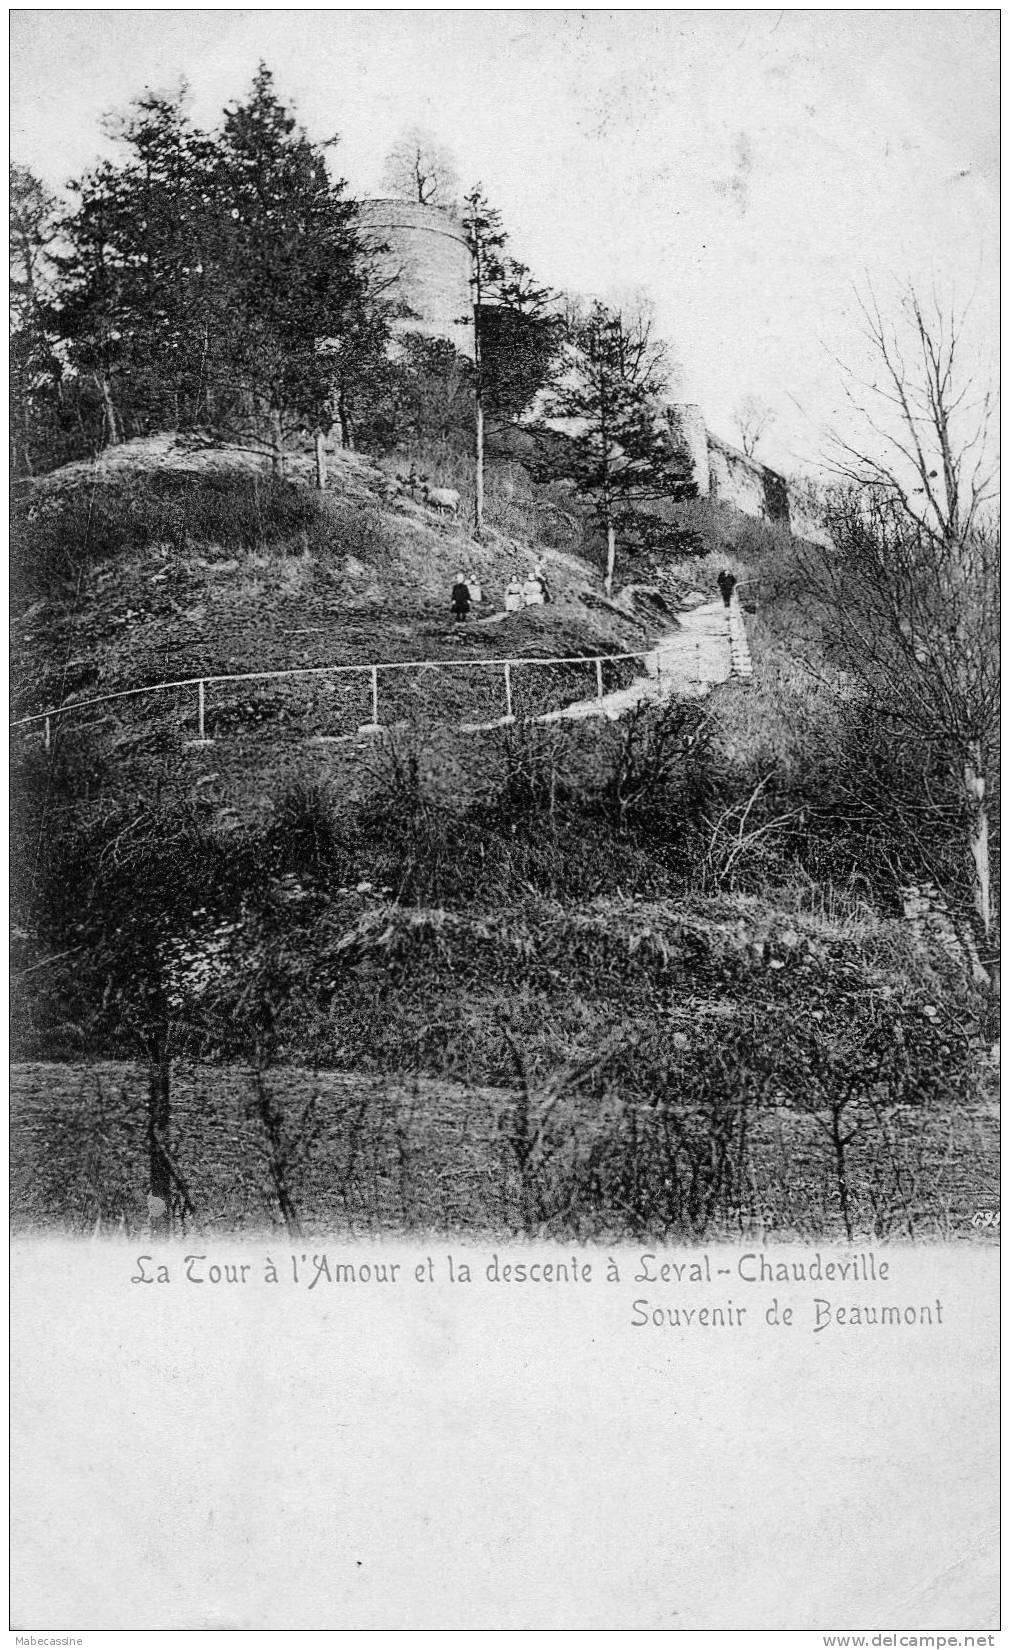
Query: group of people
533, 591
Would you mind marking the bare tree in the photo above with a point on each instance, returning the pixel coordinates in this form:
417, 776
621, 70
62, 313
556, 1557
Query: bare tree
754, 418
918, 625
927, 422
419, 168
913, 579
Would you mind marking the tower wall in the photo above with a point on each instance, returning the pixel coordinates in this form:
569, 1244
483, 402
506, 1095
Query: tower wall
427, 255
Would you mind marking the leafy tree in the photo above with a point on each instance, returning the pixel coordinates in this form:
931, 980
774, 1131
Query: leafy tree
419, 168
434, 392
90, 303
35, 368
33, 212
619, 452
360, 372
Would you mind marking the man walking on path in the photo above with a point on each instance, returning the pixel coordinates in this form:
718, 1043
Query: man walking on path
727, 584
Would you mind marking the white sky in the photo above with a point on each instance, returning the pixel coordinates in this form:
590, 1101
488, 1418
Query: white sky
744, 167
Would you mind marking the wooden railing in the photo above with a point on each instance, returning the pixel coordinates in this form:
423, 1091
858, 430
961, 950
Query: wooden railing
201, 684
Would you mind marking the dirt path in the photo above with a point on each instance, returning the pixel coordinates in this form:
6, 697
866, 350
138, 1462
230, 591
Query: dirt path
708, 646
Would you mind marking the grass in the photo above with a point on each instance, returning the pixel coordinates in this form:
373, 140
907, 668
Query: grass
515, 508
367, 1154
174, 577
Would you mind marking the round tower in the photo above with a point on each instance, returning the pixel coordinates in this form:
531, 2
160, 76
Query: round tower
429, 261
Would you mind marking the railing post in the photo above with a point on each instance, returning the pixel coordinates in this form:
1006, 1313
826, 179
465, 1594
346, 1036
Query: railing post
375, 696
508, 688
201, 707
48, 735
599, 680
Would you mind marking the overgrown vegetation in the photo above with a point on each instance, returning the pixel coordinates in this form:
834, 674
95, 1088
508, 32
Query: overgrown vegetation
682, 1003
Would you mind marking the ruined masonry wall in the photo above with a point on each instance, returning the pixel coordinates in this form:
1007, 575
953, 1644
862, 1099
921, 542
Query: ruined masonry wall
725, 474
736, 479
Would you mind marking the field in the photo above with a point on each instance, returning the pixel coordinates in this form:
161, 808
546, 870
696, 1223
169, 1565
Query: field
322, 1152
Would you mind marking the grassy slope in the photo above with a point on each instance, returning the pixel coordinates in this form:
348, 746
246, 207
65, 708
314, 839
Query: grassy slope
189, 589
362, 580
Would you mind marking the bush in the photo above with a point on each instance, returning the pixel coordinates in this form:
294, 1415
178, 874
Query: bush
55, 535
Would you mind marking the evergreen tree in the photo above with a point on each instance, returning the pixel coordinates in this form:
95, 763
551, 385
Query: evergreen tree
214, 280
619, 450
520, 335
136, 290
293, 265
486, 239
515, 335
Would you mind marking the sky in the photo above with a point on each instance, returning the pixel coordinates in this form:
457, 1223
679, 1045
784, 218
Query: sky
746, 169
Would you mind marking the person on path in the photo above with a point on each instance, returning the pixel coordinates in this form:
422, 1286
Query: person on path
460, 598
727, 584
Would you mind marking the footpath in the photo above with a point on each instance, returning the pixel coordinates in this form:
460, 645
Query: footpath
708, 646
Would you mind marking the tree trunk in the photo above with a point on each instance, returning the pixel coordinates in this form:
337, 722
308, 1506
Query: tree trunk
113, 432
478, 505
839, 1142
608, 583
320, 461
344, 417
978, 834
158, 1120
276, 442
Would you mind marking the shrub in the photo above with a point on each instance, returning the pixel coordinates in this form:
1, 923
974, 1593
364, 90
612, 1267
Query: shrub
55, 535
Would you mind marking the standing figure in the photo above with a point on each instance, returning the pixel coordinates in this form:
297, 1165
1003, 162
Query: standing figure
460, 597
727, 584
514, 597
541, 577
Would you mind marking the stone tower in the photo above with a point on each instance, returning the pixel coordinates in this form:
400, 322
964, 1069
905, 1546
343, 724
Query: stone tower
430, 260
